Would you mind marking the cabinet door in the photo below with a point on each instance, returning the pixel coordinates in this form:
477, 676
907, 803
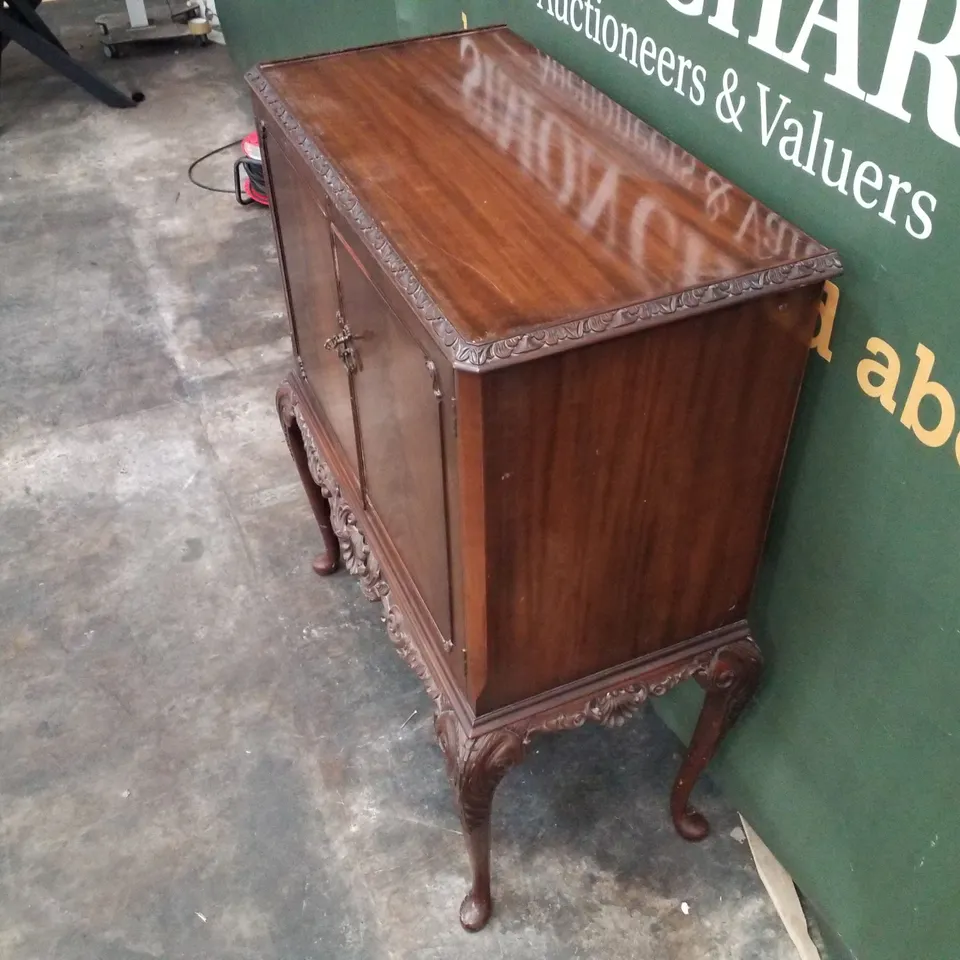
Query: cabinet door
305, 245
398, 410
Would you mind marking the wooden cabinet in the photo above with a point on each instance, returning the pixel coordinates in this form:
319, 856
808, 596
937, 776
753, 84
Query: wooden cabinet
546, 365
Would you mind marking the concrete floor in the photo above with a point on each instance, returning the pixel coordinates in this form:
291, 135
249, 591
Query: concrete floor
202, 745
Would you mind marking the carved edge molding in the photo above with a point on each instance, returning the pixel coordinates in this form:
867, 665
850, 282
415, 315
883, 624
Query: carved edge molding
494, 353
614, 708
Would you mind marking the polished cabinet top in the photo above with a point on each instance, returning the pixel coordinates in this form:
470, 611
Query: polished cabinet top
515, 196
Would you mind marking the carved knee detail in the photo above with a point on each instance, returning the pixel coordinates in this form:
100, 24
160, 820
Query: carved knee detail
475, 767
735, 673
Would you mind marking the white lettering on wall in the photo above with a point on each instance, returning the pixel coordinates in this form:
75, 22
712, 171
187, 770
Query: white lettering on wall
692, 8
903, 52
808, 140
846, 31
905, 45
722, 19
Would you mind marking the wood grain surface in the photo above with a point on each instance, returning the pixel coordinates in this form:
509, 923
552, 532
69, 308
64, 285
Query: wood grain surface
451, 143
627, 488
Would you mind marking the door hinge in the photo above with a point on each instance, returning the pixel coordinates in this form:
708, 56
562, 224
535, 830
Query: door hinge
453, 410
464, 664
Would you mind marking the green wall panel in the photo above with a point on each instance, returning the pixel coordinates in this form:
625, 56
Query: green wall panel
414, 17
848, 765
258, 30
417, 17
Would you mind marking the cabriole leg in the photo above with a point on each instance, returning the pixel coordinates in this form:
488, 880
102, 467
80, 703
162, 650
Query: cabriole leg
326, 562
730, 682
476, 767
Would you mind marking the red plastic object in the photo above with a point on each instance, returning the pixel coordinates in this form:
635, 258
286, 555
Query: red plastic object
254, 194
250, 145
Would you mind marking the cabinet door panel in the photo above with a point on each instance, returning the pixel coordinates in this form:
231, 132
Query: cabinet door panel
398, 409
310, 277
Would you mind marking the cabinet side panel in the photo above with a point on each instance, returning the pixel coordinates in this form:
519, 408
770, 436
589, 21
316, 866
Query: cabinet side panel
628, 487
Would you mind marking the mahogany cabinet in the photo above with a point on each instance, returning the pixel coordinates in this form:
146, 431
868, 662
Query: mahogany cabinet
545, 368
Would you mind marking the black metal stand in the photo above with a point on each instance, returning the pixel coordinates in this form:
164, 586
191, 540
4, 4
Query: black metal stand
20, 23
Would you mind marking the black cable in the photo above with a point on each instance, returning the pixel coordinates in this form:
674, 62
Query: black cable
204, 186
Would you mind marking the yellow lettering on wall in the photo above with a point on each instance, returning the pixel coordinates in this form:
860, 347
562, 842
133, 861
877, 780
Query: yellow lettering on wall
921, 387
889, 373
828, 310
